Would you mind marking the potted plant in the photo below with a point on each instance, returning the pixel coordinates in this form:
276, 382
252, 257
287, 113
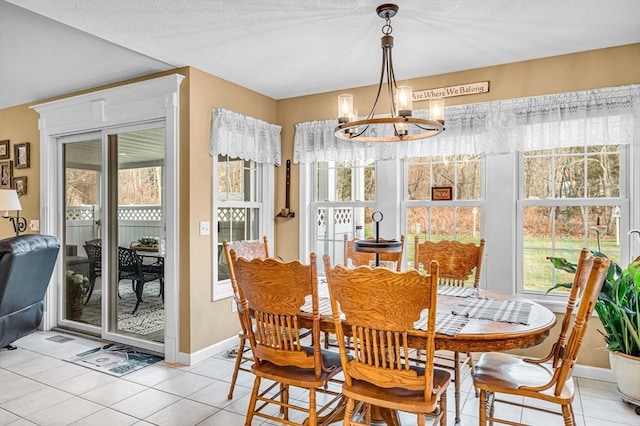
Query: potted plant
148, 243
618, 307
77, 286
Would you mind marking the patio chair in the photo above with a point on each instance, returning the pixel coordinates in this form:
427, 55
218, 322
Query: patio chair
93, 248
130, 268
548, 379
460, 265
381, 373
274, 292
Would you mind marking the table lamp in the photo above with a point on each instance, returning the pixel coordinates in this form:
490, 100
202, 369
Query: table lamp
9, 201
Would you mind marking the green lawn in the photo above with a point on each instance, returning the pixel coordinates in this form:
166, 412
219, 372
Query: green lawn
538, 271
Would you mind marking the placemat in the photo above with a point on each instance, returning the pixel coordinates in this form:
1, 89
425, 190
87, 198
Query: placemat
446, 323
457, 291
496, 310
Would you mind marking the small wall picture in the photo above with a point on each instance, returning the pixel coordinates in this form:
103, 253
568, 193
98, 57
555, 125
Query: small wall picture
5, 153
20, 185
22, 155
441, 193
6, 174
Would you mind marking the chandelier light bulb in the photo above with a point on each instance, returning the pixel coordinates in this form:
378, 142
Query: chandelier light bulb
404, 95
436, 110
345, 107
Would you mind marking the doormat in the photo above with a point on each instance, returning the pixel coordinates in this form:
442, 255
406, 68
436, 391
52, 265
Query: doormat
114, 359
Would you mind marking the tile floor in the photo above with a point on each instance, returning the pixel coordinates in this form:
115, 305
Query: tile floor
38, 388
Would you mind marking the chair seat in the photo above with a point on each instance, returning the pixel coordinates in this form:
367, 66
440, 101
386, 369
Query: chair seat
301, 377
399, 398
504, 373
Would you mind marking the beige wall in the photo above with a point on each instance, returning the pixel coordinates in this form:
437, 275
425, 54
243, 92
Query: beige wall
581, 71
210, 321
20, 124
203, 322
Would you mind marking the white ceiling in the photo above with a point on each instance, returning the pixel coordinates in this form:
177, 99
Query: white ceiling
287, 48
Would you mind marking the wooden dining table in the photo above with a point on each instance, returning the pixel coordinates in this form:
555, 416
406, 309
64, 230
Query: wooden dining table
477, 335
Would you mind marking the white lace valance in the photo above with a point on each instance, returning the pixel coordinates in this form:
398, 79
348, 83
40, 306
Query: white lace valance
608, 116
239, 136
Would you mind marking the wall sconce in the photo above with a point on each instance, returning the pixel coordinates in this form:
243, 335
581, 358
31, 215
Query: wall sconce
9, 201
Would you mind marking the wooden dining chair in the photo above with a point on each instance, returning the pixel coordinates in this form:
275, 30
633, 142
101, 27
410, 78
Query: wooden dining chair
377, 309
460, 264
547, 379
247, 249
359, 258
274, 292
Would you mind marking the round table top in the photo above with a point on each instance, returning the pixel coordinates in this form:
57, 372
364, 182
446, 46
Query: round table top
480, 335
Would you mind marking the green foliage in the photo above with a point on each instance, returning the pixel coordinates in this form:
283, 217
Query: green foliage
618, 305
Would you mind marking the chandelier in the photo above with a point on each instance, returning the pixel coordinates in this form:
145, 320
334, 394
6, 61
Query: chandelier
400, 125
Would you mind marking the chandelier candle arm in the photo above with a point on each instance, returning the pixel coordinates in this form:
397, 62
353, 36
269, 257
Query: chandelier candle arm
405, 126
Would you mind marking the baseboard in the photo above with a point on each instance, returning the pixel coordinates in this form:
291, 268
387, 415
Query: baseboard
202, 354
594, 373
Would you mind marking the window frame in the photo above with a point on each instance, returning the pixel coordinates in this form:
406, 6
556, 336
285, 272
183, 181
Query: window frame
623, 200
265, 202
501, 219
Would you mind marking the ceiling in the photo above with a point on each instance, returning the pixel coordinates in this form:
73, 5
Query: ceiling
286, 48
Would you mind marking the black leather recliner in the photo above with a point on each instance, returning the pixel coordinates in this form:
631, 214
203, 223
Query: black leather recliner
26, 265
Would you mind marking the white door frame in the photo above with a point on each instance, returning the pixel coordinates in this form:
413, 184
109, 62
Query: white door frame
146, 101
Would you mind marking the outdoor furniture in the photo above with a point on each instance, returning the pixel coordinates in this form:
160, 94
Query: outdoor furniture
381, 375
460, 265
93, 248
533, 378
274, 292
130, 268
247, 249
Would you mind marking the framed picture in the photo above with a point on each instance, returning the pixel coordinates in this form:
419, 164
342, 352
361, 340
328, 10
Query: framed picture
20, 185
6, 174
4, 150
22, 155
441, 193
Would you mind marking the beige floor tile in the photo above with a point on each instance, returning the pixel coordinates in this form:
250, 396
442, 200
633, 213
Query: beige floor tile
145, 403
184, 413
67, 412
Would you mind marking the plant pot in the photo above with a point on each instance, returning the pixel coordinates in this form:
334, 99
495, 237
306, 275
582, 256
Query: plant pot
75, 302
626, 369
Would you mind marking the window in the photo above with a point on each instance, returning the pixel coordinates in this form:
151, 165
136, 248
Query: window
343, 204
244, 150
570, 198
458, 219
240, 207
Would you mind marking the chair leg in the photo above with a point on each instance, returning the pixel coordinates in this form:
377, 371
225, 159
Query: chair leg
472, 367
252, 402
482, 408
236, 367
313, 420
456, 384
138, 287
567, 415
443, 409
348, 412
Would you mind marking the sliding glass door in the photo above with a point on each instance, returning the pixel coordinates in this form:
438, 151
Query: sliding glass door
114, 230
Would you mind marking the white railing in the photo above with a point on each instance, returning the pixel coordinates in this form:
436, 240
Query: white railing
133, 222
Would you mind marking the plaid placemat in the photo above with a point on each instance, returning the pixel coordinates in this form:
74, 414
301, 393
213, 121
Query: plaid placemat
457, 291
495, 310
446, 323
